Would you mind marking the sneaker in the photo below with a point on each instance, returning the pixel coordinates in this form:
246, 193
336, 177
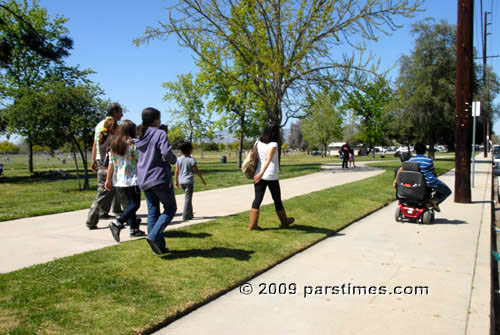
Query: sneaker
435, 204
137, 233
115, 228
155, 247
93, 227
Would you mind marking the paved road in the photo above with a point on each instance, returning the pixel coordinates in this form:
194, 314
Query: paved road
44, 238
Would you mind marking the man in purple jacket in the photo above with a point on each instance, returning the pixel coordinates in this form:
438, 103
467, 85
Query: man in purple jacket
155, 176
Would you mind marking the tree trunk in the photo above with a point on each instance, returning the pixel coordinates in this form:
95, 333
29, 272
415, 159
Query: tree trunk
86, 185
242, 137
76, 166
30, 156
82, 154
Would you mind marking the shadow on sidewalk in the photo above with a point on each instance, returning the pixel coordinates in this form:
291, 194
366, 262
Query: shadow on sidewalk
237, 254
446, 221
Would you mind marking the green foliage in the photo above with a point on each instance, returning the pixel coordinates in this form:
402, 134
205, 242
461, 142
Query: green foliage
188, 94
277, 50
26, 71
7, 147
323, 122
369, 103
176, 136
16, 31
426, 84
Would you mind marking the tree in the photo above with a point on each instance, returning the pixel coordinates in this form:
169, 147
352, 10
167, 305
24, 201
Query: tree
324, 120
282, 47
296, 139
369, 104
176, 136
75, 110
27, 36
7, 147
236, 108
188, 93
426, 83
25, 72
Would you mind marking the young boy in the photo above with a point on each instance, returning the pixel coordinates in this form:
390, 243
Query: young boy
184, 175
427, 168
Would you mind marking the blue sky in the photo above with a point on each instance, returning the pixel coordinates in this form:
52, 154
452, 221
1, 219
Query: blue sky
103, 31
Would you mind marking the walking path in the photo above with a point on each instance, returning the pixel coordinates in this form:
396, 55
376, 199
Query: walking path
451, 258
41, 239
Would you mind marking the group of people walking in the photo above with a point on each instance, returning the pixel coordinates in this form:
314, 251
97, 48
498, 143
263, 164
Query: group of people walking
131, 159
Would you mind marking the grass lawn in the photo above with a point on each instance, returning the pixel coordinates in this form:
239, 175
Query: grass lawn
124, 289
23, 195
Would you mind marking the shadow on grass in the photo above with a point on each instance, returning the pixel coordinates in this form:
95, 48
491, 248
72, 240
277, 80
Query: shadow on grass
46, 176
307, 230
180, 233
237, 254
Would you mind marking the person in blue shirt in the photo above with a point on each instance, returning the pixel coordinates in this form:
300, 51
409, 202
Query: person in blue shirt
426, 166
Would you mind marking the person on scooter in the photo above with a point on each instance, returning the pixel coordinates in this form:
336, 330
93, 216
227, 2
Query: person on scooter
426, 166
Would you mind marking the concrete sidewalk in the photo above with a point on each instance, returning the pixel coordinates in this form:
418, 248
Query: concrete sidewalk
449, 262
41, 239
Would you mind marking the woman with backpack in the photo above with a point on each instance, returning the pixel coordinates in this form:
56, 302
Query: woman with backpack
266, 175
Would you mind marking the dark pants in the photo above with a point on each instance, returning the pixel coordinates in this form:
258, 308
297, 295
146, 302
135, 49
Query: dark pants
260, 189
103, 200
442, 191
345, 161
157, 222
133, 196
187, 213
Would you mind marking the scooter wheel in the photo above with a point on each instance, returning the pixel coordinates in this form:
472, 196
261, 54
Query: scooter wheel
427, 217
397, 215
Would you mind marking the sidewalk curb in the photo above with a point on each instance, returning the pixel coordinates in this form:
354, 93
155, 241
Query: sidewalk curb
213, 297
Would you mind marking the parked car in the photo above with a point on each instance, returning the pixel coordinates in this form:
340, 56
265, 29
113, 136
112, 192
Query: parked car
315, 152
400, 150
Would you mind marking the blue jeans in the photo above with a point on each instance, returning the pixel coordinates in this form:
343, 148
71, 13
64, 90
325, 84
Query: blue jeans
442, 191
157, 222
133, 196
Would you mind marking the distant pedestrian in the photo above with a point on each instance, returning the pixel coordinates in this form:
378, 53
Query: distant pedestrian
184, 176
351, 158
104, 197
266, 175
155, 177
345, 149
122, 175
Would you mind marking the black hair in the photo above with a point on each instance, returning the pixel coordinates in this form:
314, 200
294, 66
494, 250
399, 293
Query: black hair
271, 133
113, 108
186, 148
420, 148
149, 115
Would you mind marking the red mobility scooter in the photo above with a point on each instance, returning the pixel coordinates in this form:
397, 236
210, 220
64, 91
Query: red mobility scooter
413, 196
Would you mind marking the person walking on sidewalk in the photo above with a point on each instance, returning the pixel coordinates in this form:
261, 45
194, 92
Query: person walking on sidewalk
122, 175
111, 201
184, 175
426, 166
155, 177
345, 154
104, 197
266, 175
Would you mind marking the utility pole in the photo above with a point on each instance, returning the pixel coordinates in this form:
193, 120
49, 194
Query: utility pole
463, 101
485, 113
